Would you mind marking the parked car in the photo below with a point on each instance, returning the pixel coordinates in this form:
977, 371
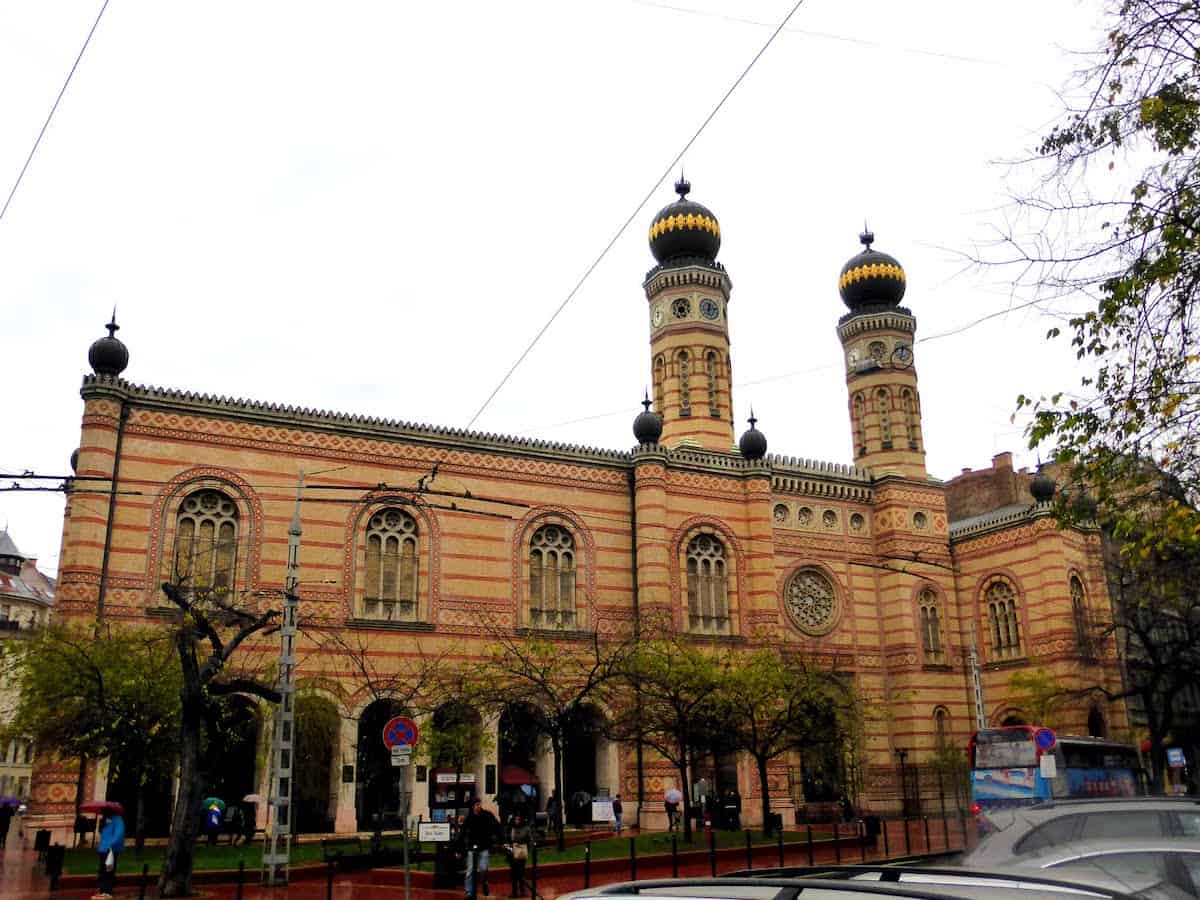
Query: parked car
1015, 832
1166, 867
856, 883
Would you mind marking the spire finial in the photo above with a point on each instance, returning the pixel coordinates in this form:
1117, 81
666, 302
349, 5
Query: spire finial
867, 238
753, 421
682, 186
112, 326
646, 401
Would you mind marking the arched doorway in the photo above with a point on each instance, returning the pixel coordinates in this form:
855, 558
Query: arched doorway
582, 743
157, 797
317, 726
453, 740
1095, 724
521, 727
377, 785
1012, 719
229, 752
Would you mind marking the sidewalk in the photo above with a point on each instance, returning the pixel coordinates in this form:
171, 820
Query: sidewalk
21, 877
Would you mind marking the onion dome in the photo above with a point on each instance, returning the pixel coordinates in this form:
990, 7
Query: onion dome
684, 229
871, 278
1084, 506
753, 443
75, 460
648, 426
1042, 487
108, 356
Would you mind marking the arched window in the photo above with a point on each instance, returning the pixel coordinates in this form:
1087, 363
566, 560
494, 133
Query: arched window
712, 366
1096, 725
860, 425
931, 627
206, 542
908, 415
552, 578
685, 391
1083, 622
941, 728
391, 566
884, 401
1001, 601
659, 377
707, 585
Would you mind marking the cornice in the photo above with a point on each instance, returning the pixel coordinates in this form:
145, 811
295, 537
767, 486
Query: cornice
703, 274
892, 318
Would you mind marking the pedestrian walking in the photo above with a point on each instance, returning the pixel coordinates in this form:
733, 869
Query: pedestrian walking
618, 810
554, 811
519, 837
112, 842
6, 814
480, 830
671, 803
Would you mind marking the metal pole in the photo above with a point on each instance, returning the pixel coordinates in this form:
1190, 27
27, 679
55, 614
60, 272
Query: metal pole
887, 851
926, 818
810, 846
712, 850
329, 879
146, 875
587, 864
674, 855
404, 828
533, 876
632, 859
779, 839
837, 843
862, 839
749, 854
907, 844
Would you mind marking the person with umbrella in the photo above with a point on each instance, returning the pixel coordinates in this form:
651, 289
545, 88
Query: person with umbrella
671, 802
249, 820
109, 847
214, 808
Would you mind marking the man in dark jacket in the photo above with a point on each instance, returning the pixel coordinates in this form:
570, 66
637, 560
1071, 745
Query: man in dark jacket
480, 830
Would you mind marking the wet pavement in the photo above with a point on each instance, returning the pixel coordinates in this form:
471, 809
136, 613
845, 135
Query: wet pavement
21, 876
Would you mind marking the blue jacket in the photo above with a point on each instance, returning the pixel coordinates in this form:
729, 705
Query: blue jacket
112, 836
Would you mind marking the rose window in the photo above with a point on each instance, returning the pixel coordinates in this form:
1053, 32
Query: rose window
811, 602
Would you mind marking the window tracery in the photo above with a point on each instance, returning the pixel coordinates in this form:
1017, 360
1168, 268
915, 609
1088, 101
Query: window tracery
685, 392
931, 627
1004, 628
206, 531
391, 567
707, 585
811, 602
552, 578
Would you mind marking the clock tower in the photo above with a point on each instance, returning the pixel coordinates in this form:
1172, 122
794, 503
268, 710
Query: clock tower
881, 377
688, 299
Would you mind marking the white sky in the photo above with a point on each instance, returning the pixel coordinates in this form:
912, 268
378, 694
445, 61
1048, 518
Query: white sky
372, 207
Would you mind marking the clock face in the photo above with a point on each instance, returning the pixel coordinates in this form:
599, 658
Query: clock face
681, 308
658, 314
709, 308
902, 355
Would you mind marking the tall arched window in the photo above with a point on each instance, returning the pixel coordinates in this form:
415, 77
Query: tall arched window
391, 566
707, 585
206, 542
884, 401
860, 425
931, 627
659, 378
685, 391
1001, 602
552, 578
712, 366
908, 414
1083, 622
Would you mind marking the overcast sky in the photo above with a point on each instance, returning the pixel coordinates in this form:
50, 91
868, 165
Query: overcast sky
373, 207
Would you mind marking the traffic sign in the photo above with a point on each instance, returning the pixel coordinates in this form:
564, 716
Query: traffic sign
400, 730
402, 755
1045, 738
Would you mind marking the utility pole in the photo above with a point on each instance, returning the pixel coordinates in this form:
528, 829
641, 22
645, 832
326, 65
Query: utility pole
977, 686
277, 853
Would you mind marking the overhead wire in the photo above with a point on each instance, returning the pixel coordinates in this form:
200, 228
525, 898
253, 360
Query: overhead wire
633, 215
37, 142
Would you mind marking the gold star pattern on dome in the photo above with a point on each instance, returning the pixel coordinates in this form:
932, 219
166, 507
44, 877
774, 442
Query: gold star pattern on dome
871, 270
681, 222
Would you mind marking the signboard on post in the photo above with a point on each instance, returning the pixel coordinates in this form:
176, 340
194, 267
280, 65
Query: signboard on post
400, 730
433, 832
402, 755
1175, 758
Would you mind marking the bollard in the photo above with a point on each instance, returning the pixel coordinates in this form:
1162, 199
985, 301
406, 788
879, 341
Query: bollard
927, 847
886, 850
633, 859
749, 853
810, 846
146, 875
862, 840
962, 821
533, 869
329, 880
587, 864
779, 837
945, 832
907, 839
241, 877
674, 855
712, 850
837, 843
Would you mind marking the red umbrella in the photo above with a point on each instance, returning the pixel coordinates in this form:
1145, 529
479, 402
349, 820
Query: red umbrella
516, 775
99, 806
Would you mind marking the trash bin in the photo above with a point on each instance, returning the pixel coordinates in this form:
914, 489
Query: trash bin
41, 843
446, 860
55, 855
774, 823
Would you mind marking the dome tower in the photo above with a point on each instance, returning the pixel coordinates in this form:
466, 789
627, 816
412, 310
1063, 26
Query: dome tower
688, 299
877, 337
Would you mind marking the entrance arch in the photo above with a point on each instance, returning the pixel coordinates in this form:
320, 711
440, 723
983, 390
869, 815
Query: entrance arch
587, 764
521, 728
377, 786
317, 728
229, 754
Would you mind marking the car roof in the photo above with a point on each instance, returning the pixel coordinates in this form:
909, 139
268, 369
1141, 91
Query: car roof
1090, 802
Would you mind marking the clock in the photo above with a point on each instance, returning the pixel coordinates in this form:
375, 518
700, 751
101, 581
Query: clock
902, 355
657, 317
681, 308
709, 308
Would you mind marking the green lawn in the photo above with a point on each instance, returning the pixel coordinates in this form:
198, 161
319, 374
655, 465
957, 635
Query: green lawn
83, 861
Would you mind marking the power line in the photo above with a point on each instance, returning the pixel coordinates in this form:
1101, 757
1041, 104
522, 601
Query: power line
57, 99
633, 215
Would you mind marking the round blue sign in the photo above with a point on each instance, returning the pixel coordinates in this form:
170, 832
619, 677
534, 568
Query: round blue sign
1045, 739
400, 730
